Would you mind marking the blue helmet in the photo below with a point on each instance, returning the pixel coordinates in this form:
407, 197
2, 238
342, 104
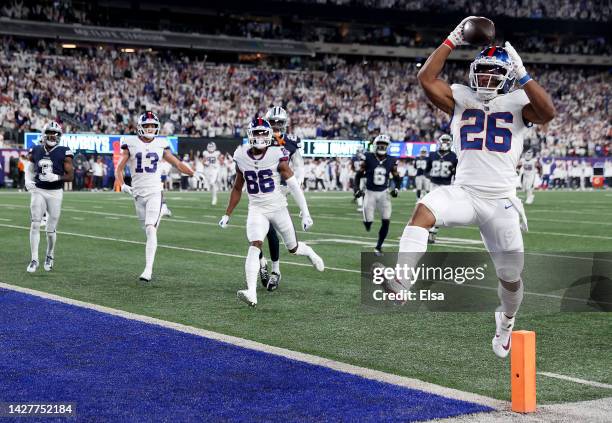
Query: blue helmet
259, 133
491, 72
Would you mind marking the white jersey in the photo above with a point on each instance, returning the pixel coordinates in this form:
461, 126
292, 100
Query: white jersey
261, 177
529, 166
211, 160
488, 139
145, 163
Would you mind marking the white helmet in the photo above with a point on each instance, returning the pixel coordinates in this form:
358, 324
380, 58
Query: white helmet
259, 133
51, 134
445, 142
278, 118
211, 147
529, 154
148, 118
423, 152
381, 144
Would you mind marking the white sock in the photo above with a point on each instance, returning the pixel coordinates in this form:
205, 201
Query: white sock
510, 300
151, 247
251, 269
304, 250
413, 245
34, 239
276, 267
51, 237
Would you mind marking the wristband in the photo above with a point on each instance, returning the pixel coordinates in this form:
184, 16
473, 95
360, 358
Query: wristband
524, 80
448, 43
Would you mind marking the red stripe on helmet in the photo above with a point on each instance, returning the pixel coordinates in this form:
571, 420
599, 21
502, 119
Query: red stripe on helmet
491, 51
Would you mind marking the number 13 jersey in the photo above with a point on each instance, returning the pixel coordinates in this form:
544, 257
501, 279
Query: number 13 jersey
144, 163
261, 176
488, 140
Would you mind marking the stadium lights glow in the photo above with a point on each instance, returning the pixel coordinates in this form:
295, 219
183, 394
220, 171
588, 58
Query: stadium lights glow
69, 46
127, 50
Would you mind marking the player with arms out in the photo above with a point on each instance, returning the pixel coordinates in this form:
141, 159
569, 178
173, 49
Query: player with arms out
278, 119
441, 166
143, 154
421, 181
489, 121
376, 167
530, 165
211, 169
261, 166
49, 166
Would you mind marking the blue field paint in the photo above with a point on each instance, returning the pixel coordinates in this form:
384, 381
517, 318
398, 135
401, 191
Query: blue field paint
117, 369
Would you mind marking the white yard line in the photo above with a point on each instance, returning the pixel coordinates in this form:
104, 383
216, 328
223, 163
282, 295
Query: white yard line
577, 380
282, 352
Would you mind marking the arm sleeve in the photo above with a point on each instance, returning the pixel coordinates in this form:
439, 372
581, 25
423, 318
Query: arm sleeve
30, 171
298, 195
298, 166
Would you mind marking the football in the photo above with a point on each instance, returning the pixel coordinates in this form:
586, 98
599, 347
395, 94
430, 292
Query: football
479, 31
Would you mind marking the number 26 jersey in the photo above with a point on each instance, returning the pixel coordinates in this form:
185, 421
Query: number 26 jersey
488, 140
144, 163
261, 176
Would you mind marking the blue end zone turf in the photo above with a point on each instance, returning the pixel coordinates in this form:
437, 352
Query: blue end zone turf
119, 369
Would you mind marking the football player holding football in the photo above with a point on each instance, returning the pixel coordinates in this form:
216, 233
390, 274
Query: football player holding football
143, 153
489, 120
260, 166
376, 167
49, 166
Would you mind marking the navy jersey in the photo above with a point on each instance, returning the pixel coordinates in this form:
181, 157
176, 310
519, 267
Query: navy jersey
377, 172
421, 165
289, 141
46, 162
441, 168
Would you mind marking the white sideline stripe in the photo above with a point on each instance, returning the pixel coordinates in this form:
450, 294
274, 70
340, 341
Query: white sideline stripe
577, 380
282, 352
5, 220
173, 247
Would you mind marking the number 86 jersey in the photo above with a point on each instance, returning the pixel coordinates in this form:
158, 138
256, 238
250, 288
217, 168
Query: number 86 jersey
261, 177
145, 163
488, 140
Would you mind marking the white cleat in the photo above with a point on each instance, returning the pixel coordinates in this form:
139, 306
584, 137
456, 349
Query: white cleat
503, 334
146, 276
246, 297
214, 201
48, 266
317, 262
32, 266
166, 212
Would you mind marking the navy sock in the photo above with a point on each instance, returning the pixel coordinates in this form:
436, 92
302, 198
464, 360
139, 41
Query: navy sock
273, 244
382, 233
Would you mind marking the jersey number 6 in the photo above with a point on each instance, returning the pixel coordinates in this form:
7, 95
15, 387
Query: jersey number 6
261, 181
498, 139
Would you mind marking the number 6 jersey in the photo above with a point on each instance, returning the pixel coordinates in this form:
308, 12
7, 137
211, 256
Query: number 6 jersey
145, 163
488, 140
261, 176
377, 171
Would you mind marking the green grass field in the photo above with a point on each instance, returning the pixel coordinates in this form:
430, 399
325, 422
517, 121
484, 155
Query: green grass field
199, 267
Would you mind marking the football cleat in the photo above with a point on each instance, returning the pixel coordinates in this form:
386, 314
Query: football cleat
274, 281
146, 276
503, 334
32, 266
378, 251
264, 275
48, 266
317, 262
246, 297
165, 211
431, 239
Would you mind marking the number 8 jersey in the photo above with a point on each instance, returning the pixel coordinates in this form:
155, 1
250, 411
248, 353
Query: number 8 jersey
488, 140
261, 176
145, 163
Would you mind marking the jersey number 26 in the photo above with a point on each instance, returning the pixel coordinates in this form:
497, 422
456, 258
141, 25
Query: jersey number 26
498, 139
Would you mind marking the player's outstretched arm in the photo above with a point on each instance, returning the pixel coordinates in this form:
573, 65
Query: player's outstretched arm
296, 193
540, 109
174, 161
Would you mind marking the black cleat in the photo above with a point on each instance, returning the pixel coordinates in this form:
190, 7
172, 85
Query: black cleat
274, 281
264, 275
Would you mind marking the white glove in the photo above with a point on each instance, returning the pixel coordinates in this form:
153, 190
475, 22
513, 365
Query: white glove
306, 222
127, 189
517, 63
224, 221
49, 177
456, 36
199, 176
30, 185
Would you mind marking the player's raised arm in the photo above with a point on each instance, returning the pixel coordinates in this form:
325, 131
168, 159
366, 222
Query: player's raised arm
437, 90
540, 109
296, 193
234, 199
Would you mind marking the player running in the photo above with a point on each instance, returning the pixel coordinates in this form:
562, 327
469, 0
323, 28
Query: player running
49, 166
530, 166
421, 181
143, 153
262, 166
377, 167
211, 169
357, 161
277, 118
441, 166
488, 125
